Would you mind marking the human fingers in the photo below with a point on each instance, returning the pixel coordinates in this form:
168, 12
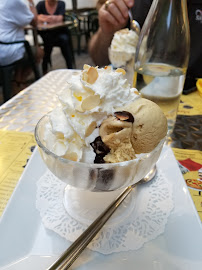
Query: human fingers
107, 22
118, 8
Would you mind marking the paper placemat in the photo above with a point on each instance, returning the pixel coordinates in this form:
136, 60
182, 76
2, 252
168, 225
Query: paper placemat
190, 163
15, 148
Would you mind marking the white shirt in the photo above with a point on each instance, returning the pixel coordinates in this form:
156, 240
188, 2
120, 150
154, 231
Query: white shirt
14, 15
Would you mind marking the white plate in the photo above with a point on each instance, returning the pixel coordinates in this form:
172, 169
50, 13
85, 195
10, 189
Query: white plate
26, 244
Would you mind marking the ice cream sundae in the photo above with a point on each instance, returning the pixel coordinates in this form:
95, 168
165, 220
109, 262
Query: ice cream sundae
122, 51
101, 119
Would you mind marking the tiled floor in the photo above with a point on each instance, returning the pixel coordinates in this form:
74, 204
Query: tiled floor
59, 63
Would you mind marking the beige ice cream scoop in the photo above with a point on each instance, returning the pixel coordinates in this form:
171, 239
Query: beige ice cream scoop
135, 128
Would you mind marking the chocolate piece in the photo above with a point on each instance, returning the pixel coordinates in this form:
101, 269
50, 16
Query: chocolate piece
124, 116
100, 149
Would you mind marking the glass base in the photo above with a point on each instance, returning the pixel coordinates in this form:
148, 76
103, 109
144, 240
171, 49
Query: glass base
85, 206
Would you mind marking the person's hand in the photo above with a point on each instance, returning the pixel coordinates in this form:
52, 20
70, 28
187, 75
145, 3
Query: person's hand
113, 15
42, 18
46, 18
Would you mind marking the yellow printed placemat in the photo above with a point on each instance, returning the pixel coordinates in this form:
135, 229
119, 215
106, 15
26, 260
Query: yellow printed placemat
190, 162
15, 150
190, 104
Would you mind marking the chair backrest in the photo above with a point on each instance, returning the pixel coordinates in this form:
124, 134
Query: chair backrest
93, 21
29, 53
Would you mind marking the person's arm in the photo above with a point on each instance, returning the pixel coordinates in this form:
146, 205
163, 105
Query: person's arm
111, 19
98, 47
50, 18
34, 11
55, 18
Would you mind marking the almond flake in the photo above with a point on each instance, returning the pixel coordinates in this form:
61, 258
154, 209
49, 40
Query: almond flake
92, 75
121, 70
90, 129
86, 67
90, 102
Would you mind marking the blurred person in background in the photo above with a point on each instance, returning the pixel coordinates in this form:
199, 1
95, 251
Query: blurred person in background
14, 16
50, 12
113, 16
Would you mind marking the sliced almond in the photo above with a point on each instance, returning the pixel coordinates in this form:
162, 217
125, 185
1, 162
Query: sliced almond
121, 70
90, 129
90, 102
86, 67
92, 75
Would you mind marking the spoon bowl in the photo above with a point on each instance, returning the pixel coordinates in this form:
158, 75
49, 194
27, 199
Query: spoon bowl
134, 25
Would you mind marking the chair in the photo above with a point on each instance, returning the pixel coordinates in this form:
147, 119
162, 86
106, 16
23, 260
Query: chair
93, 22
75, 29
6, 71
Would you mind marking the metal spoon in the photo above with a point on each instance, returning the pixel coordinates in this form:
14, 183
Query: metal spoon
134, 25
73, 252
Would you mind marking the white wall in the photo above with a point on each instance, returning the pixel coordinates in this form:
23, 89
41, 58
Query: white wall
80, 3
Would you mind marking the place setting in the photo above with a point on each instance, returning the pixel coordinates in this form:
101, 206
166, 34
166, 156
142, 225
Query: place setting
58, 197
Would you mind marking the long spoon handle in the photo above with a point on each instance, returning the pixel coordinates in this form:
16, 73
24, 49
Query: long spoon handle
73, 252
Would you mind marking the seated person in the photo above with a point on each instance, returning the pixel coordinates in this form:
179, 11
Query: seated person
114, 15
53, 11
14, 16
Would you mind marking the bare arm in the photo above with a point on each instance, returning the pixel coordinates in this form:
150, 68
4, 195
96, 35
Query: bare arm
98, 47
34, 11
57, 18
111, 20
50, 18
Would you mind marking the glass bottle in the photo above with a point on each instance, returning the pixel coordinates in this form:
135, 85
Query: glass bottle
162, 56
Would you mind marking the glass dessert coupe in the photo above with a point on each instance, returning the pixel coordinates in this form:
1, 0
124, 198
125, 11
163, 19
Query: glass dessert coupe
92, 187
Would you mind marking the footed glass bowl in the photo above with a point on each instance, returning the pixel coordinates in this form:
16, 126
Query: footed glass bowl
95, 177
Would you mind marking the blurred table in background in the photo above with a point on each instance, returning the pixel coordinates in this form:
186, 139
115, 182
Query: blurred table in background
21, 114
45, 27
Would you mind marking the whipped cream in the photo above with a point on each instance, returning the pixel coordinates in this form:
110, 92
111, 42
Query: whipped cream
122, 51
125, 40
90, 97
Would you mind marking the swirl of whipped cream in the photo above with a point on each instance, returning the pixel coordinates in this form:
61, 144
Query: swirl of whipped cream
90, 97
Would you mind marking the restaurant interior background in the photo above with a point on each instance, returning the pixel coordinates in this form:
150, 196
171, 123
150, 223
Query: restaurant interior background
80, 8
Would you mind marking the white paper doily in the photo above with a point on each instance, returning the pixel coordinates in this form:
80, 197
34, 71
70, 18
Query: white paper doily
150, 209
